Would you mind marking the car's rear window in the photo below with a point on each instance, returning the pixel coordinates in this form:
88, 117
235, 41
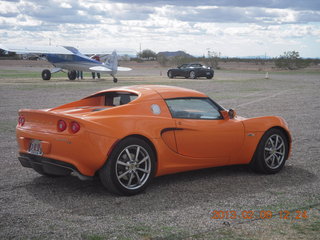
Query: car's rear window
112, 99
119, 98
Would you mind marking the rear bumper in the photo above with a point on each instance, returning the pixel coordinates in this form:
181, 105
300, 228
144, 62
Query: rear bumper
46, 165
85, 151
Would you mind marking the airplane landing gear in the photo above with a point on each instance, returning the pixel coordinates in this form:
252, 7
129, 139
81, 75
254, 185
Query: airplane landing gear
114, 78
46, 74
72, 75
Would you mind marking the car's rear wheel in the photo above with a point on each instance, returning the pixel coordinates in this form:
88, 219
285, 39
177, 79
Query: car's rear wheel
271, 153
129, 168
170, 75
192, 74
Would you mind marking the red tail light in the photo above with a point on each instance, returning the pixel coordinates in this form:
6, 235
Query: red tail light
21, 120
75, 127
62, 125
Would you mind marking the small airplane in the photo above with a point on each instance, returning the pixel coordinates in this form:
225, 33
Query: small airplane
70, 59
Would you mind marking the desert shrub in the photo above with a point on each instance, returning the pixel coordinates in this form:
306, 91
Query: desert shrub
291, 60
147, 54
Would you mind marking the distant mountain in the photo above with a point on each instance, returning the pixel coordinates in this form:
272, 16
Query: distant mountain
174, 54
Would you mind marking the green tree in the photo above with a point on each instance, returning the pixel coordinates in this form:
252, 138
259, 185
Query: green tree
290, 60
147, 54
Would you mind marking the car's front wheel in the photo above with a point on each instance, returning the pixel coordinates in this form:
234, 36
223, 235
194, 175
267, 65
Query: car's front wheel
129, 168
271, 153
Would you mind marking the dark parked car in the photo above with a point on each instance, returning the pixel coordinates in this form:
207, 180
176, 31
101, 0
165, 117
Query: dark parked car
191, 70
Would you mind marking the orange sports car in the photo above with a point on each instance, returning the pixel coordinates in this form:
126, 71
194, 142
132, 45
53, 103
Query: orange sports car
128, 135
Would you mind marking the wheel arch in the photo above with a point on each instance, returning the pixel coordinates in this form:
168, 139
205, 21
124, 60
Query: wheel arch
260, 166
284, 131
287, 135
116, 143
253, 135
264, 124
108, 172
147, 140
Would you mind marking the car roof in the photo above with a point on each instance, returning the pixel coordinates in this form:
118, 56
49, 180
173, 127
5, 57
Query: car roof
193, 63
149, 92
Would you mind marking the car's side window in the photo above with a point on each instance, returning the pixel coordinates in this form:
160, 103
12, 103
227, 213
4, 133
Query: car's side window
193, 108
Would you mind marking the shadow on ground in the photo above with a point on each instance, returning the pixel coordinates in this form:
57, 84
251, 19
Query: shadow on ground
171, 192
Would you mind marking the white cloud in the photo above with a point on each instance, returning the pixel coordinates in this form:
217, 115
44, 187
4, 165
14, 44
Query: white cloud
65, 5
236, 28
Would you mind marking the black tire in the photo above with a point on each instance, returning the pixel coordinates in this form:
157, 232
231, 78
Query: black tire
46, 74
72, 75
210, 77
192, 75
129, 175
115, 80
170, 75
271, 153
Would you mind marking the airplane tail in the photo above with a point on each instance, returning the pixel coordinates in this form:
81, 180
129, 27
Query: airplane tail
112, 61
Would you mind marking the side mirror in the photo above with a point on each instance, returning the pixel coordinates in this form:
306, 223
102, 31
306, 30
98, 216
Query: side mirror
228, 114
225, 114
231, 113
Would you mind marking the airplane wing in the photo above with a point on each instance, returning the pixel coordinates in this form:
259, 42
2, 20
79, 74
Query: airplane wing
100, 69
35, 49
124, 69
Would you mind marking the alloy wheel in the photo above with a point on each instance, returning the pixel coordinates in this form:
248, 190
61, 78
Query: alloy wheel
274, 151
133, 167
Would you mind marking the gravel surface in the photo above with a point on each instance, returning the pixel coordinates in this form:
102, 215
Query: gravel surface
175, 206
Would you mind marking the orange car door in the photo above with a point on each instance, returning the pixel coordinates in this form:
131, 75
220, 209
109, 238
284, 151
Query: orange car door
201, 130
217, 139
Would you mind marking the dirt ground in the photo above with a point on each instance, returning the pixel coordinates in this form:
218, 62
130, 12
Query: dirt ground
178, 206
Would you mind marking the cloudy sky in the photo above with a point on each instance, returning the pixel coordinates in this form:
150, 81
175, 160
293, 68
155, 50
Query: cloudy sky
231, 27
